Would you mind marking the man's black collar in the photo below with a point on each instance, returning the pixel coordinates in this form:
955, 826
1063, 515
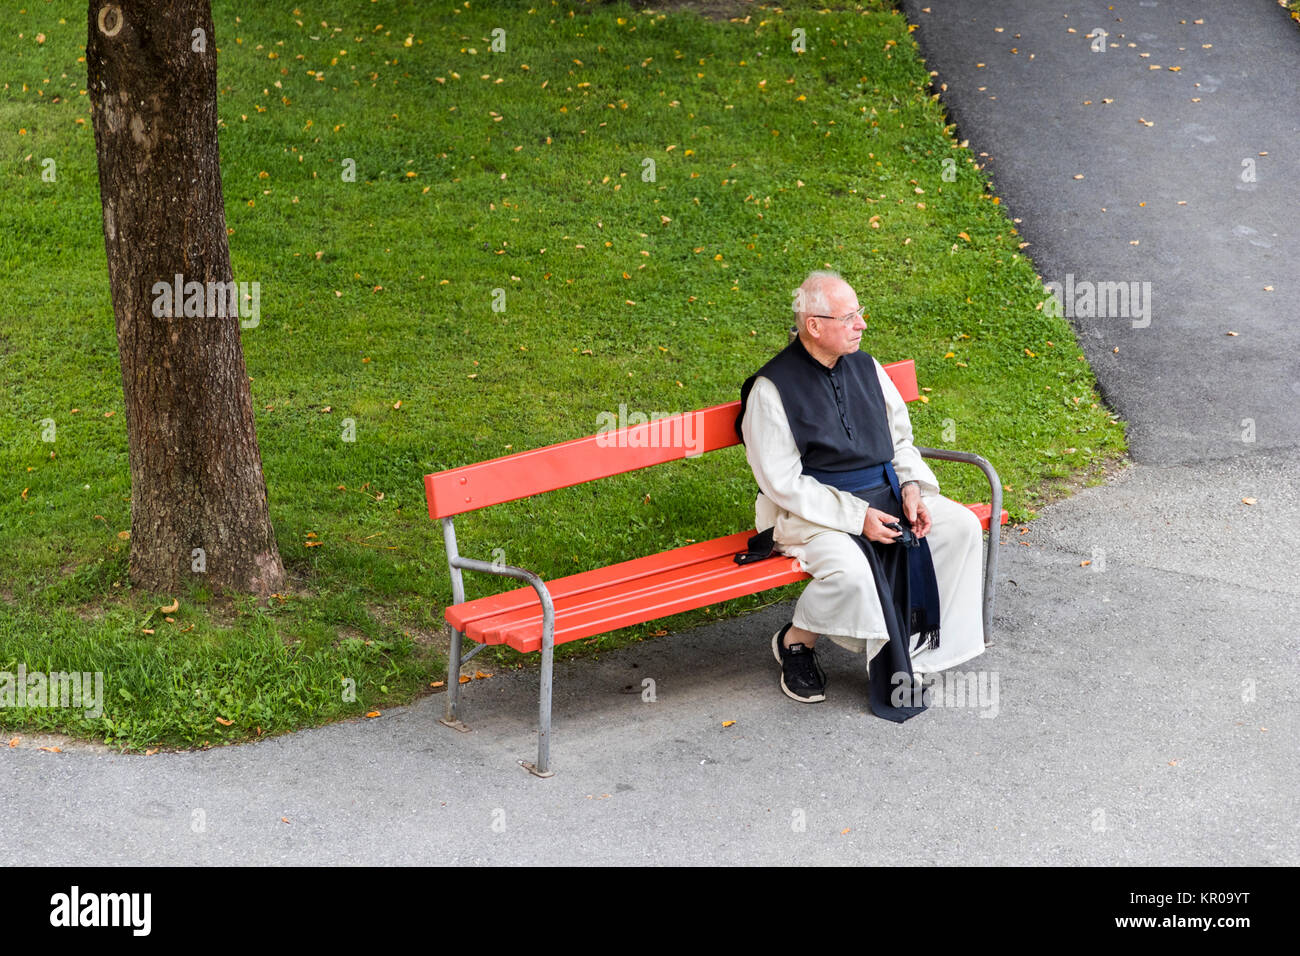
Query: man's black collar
802, 350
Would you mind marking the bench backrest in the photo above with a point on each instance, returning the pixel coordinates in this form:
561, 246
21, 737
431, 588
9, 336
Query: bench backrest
634, 443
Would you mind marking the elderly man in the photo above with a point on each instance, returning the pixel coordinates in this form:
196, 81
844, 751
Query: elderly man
830, 443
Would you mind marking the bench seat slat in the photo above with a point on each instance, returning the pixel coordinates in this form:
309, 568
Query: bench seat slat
984, 511
632, 592
718, 580
462, 615
644, 591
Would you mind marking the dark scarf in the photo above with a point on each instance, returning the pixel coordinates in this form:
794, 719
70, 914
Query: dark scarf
841, 428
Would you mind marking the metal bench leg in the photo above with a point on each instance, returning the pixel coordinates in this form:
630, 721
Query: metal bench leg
991, 562
452, 717
543, 766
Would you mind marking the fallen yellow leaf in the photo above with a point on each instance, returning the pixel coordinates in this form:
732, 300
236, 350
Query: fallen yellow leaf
728, 723
373, 713
223, 722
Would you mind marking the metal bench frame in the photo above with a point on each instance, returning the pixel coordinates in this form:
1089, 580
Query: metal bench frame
542, 767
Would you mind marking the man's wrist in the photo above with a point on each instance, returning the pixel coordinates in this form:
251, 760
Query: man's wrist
913, 483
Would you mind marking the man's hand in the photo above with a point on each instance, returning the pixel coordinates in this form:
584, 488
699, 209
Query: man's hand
873, 528
915, 511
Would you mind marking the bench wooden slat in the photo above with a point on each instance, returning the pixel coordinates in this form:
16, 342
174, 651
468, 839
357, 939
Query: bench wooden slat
684, 435
581, 460
711, 582
984, 511
643, 592
462, 615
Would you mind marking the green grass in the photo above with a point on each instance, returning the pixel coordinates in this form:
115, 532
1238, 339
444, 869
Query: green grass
380, 291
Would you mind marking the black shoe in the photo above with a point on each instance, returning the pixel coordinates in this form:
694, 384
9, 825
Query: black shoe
802, 678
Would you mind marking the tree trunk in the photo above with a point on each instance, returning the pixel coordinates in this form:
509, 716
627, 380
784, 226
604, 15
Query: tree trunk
198, 497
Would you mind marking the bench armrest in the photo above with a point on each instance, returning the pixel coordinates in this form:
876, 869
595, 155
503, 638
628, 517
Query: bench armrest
508, 571
995, 483
995, 521
455, 564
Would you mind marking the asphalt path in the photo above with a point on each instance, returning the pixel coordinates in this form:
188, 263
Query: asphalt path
1171, 158
1139, 703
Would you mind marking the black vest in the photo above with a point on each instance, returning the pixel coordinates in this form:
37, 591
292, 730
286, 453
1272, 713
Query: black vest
837, 415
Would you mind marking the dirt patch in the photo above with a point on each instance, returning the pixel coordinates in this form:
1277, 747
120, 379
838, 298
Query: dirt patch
55, 743
90, 613
1052, 490
434, 638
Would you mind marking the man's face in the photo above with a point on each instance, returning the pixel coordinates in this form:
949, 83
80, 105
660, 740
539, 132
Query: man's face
835, 334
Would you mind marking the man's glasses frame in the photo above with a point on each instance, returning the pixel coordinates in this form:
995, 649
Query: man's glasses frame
846, 319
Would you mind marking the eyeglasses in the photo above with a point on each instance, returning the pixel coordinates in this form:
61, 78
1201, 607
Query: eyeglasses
846, 319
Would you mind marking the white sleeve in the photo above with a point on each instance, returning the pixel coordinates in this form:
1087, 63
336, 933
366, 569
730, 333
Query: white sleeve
908, 463
774, 458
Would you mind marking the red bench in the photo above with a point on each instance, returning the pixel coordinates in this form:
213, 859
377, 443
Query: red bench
537, 617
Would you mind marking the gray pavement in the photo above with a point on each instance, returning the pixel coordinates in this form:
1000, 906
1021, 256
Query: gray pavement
1145, 640
1183, 384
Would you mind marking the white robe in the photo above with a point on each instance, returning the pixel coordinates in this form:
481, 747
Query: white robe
812, 522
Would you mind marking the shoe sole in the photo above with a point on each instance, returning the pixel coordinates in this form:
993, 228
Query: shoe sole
776, 652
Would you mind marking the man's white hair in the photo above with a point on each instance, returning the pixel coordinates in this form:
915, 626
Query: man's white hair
810, 297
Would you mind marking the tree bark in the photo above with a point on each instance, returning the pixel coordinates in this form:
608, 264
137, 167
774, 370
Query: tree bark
198, 496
